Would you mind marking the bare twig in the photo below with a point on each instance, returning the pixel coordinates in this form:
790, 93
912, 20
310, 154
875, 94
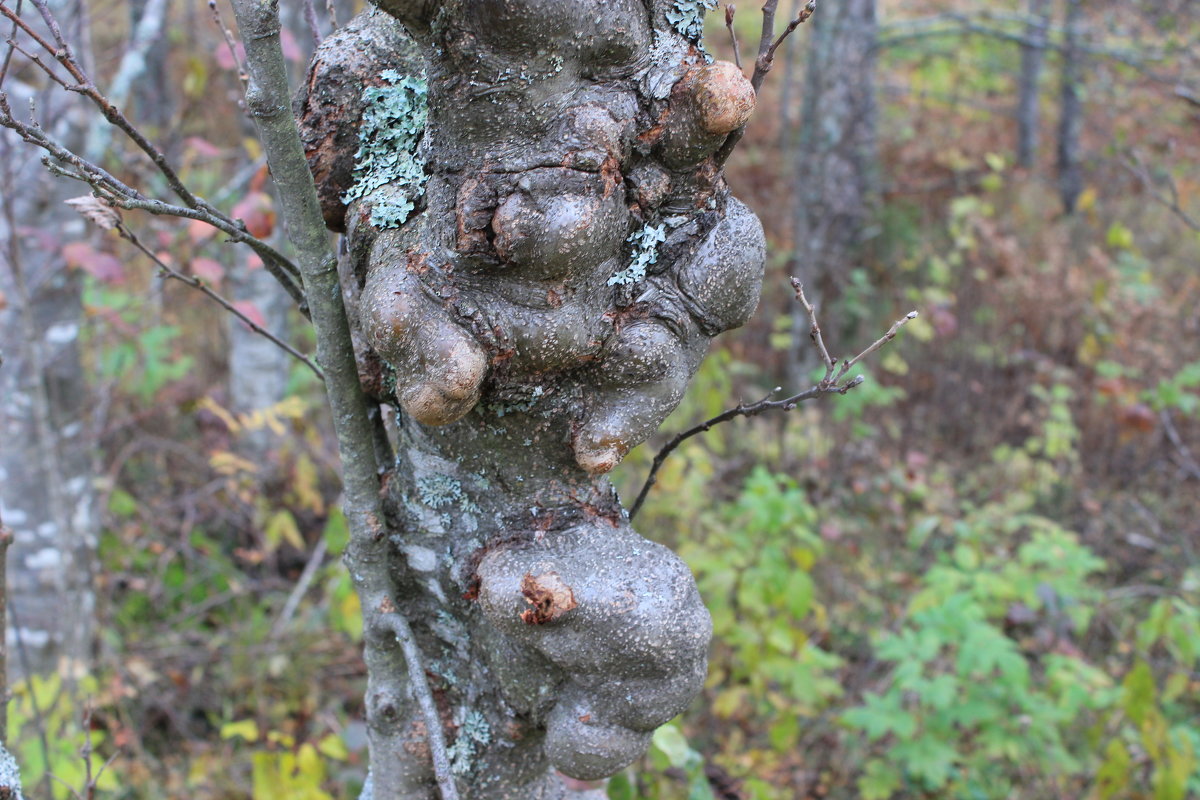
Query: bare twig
301, 588
167, 271
831, 383
1170, 199
310, 18
768, 43
398, 625
730, 10
58, 48
1190, 465
229, 43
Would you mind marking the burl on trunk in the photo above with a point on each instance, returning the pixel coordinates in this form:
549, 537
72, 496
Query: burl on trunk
538, 249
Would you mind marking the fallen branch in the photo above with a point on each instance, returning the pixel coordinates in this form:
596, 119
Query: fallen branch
831, 383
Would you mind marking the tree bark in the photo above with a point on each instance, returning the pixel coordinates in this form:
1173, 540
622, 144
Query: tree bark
1070, 121
534, 299
1033, 56
46, 469
835, 180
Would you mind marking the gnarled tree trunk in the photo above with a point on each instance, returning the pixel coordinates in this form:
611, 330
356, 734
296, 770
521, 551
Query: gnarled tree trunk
539, 251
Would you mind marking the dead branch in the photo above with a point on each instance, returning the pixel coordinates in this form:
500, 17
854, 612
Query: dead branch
831, 383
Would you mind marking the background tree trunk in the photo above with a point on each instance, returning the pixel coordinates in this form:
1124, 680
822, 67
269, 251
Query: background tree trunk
1070, 120
835, 178
1033, 56
46, 470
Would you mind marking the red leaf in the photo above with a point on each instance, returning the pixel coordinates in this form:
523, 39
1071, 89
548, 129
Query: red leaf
257, 211
253, 262
252, 313
199, 231
225, 58
101, 266
207, 270
291, 49
203, 147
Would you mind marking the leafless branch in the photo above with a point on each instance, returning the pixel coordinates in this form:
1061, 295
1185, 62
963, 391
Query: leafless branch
1190, 465
229, 43
1169, 198
768, 43
301, 588
167, 271
730, 10
310, 18
194, 207
831, 383
398, 626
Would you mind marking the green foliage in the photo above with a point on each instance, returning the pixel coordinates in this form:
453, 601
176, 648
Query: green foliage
387, 170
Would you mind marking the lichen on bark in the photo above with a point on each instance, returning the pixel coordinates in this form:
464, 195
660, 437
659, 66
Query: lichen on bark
559, 133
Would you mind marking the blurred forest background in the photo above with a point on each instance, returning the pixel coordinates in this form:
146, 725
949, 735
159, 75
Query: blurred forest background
977, 575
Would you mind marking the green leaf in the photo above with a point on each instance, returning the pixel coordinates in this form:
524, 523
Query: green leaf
671, 742
1138, 699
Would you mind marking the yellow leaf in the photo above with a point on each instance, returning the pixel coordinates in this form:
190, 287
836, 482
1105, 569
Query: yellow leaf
208, 404
1087, 199
246, 728
227, 463
333, 747
307, 487
281, 527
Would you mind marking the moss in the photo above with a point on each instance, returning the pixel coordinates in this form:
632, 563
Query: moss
387, 171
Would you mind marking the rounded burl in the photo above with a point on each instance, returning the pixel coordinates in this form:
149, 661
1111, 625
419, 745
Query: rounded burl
539, 248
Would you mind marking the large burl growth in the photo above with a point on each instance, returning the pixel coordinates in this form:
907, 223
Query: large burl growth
538, 250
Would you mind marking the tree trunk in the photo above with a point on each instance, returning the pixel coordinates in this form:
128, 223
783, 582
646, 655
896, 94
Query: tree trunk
1070, 121
1033, 55
45, 461
533, 286
835, 180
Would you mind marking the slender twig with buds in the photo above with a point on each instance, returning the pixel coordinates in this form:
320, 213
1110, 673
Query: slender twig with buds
831, 383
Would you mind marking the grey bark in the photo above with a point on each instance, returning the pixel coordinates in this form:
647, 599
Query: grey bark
46, 491
258, 369
528, 347
1070, 120
835, 178
1033, 56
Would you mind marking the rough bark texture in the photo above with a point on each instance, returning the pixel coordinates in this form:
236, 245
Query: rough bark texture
539, 312
835, 180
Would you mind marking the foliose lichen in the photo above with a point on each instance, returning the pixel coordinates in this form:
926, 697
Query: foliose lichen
645, 253
393, 121
687, 17
474, 730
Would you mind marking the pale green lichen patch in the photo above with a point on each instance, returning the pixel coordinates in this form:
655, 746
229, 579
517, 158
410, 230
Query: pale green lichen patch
474, 732
393, 121
645, 253
687, 17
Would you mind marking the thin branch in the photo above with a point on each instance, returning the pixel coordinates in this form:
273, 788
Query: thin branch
768, 43
399, 627
367, 555
123, 196
229, 43
730, 10
300, 589
167, 271
1190, 466
276, 264
310, 18
831, 383
1170, 199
